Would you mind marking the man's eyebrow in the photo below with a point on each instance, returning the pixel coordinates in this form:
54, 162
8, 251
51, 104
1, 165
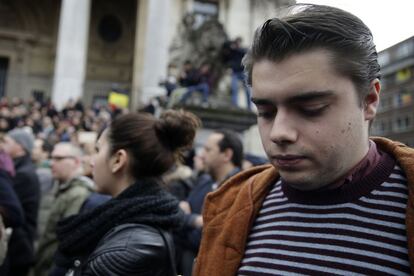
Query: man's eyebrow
258, 101
310, 95
303, 97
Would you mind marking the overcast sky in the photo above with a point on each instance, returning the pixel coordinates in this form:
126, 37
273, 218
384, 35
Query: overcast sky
389, 21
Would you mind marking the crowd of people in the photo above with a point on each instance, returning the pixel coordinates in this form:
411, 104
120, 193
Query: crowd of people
133, 200
53, 166
184, 81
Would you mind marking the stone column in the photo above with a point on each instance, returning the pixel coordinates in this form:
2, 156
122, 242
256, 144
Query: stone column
151, 50
71, 51
238, 20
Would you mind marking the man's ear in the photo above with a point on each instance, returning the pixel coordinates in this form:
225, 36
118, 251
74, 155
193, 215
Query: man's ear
119, 161
228, 154
78, 161
371, 101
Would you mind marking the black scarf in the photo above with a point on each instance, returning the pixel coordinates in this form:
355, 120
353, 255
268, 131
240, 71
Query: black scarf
144, 202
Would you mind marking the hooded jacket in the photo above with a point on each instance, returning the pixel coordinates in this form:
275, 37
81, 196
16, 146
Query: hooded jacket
68, 201
230, 212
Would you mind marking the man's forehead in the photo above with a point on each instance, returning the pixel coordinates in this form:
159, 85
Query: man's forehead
62, 149
212, 140
215, 137
300, 77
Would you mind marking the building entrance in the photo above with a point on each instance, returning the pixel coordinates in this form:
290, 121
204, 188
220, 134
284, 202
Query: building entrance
4, 63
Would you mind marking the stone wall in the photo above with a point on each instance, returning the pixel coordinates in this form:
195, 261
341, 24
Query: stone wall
28, 32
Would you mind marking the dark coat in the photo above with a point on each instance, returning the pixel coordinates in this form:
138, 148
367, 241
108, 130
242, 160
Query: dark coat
27, 188
130, 249
190, 237
12, 209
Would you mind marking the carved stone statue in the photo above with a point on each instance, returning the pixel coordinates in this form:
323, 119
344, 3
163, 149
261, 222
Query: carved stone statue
200, 45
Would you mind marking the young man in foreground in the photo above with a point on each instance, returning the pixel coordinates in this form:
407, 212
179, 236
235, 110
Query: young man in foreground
333, 201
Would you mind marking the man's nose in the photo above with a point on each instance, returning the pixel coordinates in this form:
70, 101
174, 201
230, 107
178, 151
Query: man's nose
92, 162
284, 129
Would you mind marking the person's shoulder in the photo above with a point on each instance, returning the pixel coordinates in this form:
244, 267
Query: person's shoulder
128, 248
259, 176
260, 173
133, 236
80, 184
26, 175
401, 152
83, 181
75, 189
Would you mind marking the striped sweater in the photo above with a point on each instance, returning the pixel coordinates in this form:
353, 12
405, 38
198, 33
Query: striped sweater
359, 229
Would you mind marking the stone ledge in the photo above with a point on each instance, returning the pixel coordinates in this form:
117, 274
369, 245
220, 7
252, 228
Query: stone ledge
237, 119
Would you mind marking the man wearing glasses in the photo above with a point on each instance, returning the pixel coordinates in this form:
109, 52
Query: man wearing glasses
73, 190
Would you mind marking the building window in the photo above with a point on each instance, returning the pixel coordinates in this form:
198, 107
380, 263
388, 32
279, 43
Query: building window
4, 64
388, 80
383, 58
381, 127
403, 75
403, 123
403, 98
204, 10
385, 103
405, 49
110, 28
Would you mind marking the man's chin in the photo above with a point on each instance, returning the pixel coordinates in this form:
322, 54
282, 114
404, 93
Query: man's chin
300, 181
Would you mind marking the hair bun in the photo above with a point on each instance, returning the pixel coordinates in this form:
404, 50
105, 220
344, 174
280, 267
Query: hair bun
177, 129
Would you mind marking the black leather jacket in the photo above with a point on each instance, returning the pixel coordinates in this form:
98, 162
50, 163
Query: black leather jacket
130, 249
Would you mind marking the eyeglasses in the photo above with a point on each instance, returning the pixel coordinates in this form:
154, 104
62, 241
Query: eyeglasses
59, 158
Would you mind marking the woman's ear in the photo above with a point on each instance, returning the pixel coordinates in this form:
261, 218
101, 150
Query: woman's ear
371, 100
119, 161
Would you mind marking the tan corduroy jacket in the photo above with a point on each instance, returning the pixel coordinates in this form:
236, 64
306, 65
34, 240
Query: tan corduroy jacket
230, 212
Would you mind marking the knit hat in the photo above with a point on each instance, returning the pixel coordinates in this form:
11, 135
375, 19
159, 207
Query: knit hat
22, 137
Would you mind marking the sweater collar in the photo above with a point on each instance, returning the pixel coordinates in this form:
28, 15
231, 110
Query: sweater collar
360, 170
369, 173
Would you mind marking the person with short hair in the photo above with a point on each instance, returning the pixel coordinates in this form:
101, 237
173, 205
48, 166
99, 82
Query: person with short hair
130, 234
222, 157
333, 200
235, 56
18, 144
73, 189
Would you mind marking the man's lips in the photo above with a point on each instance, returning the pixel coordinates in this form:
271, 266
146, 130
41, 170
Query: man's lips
288, 160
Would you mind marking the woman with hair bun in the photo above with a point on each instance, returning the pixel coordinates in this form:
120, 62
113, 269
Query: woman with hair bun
130, 234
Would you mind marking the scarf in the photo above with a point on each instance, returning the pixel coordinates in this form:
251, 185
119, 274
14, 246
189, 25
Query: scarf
144, 202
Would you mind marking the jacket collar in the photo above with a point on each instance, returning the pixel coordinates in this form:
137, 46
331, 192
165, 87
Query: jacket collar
262, 177
405, 158
77, 180
234, 206
21, 160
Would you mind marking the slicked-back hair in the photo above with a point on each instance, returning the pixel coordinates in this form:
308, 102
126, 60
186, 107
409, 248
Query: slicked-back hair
308, 27
231, 141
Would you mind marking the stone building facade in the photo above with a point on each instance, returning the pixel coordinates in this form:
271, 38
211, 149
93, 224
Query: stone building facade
86, 48
395, 118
